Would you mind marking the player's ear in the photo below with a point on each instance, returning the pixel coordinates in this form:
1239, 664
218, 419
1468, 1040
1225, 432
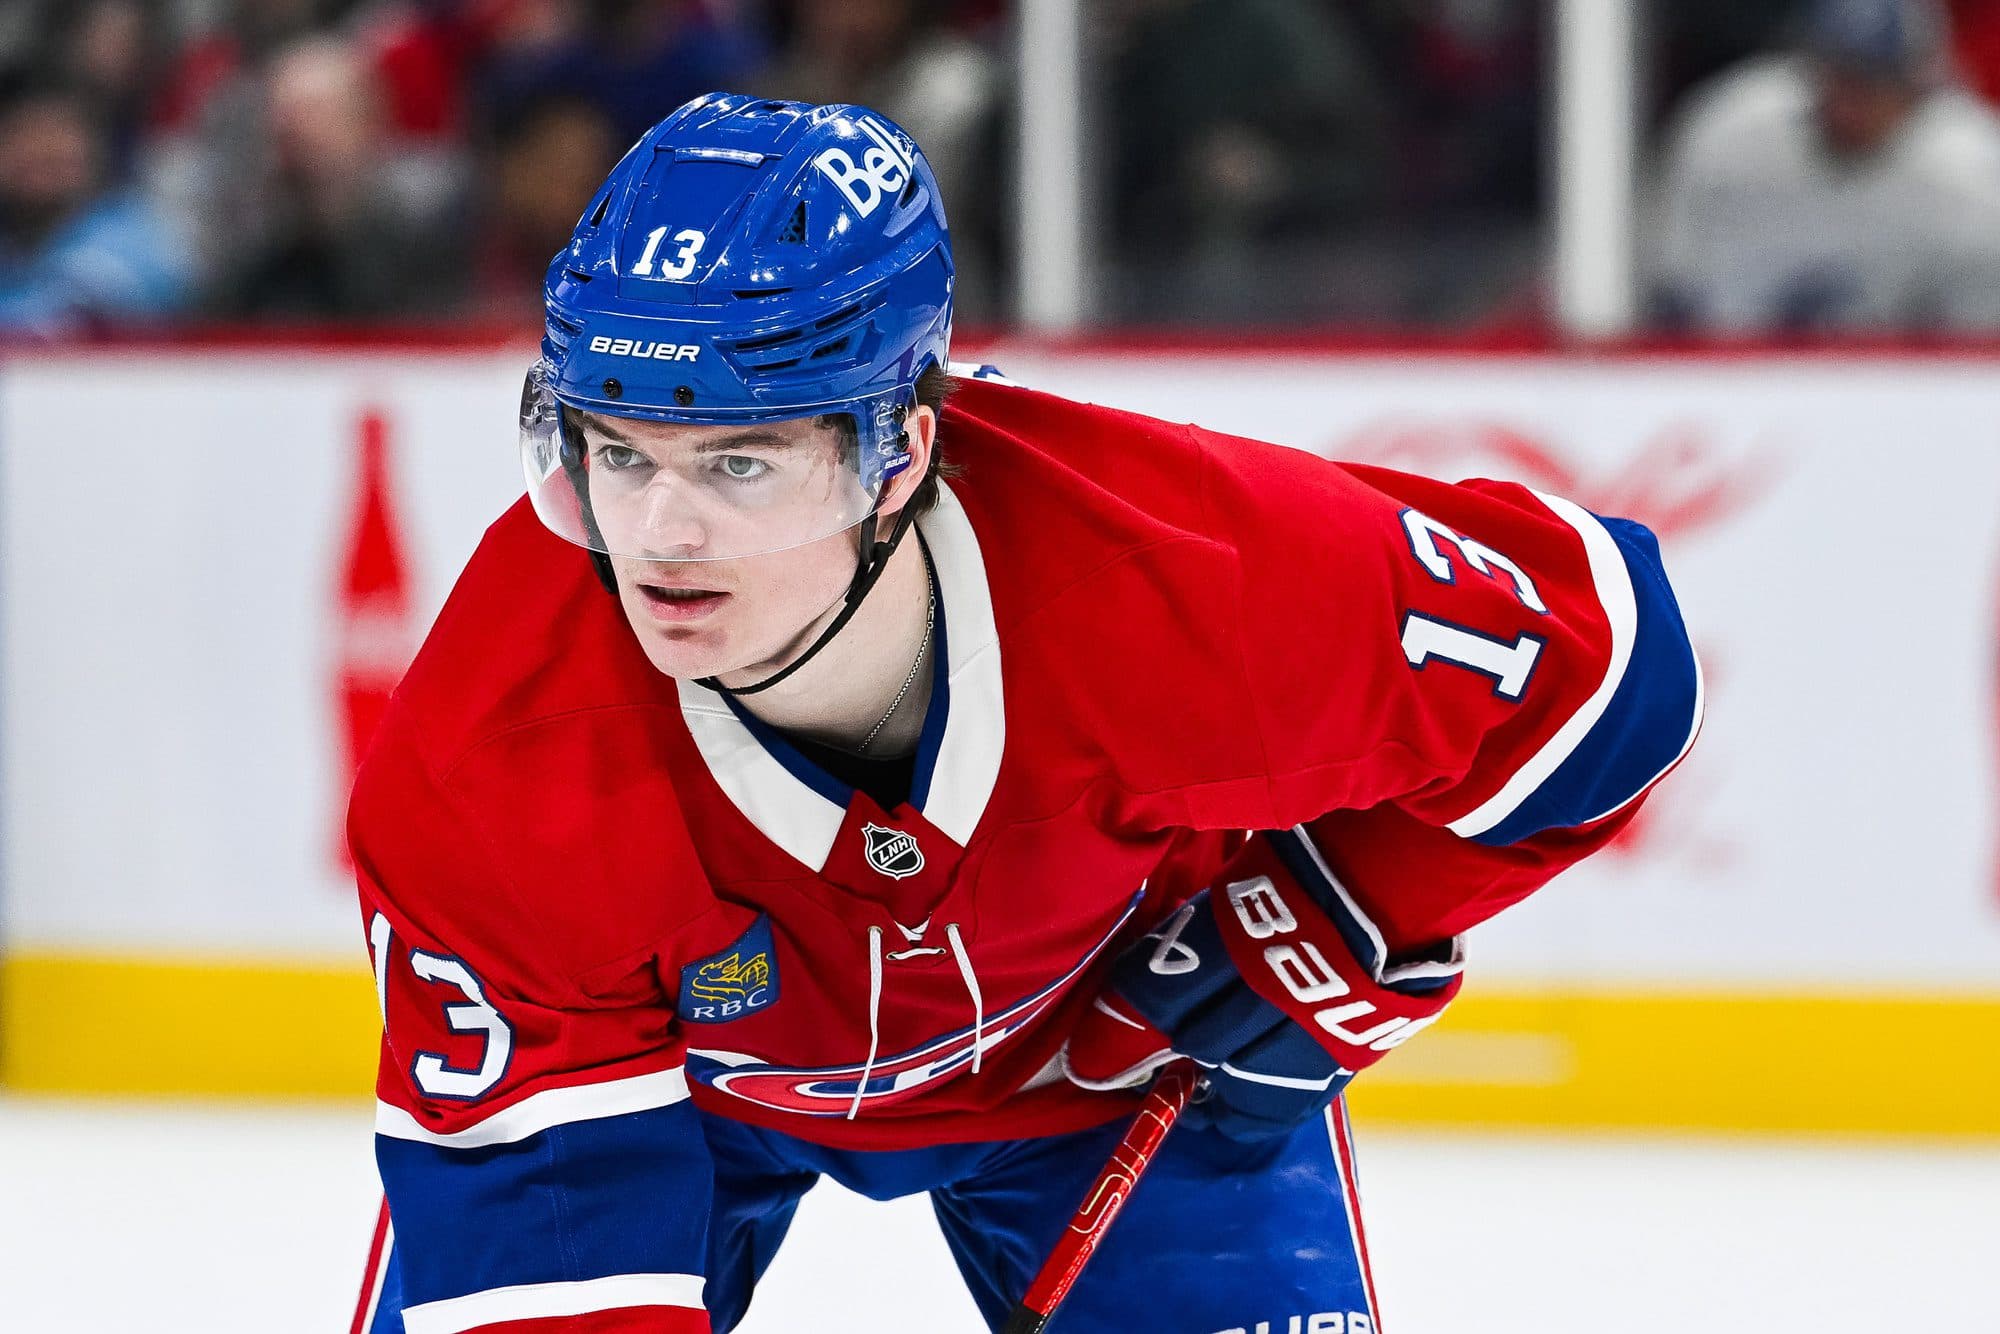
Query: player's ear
921, 426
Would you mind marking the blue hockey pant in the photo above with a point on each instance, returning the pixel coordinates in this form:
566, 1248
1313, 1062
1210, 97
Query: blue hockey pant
1217, 1238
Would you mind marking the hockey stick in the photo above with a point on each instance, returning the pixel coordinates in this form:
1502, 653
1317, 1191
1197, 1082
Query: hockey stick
1087, 1226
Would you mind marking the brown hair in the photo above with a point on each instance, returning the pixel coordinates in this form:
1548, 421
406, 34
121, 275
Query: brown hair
934, 390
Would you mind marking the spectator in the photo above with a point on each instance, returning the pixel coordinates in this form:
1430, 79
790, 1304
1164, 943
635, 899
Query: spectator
1244, 131
902, 58
114, 49
206, 159
1845, 188
74, 254
428, 55
423, 53
637, 59
548, 157
1460, 233
216, 62
326, 215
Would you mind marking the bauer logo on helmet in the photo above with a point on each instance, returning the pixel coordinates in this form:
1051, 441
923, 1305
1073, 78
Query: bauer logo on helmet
645, 348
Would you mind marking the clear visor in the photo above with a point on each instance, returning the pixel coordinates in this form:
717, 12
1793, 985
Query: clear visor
720, 490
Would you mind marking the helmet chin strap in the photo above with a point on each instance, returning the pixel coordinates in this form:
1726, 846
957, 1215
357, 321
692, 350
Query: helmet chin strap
875, 555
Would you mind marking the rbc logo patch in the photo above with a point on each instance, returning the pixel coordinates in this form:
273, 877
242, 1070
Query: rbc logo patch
737, 981
892, 852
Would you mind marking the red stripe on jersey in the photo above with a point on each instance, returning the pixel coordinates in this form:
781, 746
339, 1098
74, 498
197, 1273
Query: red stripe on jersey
1350, 1186
373, 1276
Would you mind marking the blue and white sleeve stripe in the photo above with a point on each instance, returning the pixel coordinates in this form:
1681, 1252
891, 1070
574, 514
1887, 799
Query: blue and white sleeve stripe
573, 1200
1639, 721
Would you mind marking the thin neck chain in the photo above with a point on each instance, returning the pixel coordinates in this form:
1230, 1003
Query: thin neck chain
923, 649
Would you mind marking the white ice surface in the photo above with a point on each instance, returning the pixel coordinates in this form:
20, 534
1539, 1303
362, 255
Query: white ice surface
167, 1219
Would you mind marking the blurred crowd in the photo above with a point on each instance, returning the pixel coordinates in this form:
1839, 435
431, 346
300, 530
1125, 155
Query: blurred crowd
315, 161
1846, 183
1820, 165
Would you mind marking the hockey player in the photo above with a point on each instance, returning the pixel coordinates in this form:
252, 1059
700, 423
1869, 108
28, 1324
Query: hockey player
839, 766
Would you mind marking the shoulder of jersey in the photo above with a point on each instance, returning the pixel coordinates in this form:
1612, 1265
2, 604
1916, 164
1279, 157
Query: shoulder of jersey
499, 800
1108, 477
1014, 440
1173, 561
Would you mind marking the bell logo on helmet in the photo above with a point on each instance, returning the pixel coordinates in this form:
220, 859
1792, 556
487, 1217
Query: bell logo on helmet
645, 349
884, 169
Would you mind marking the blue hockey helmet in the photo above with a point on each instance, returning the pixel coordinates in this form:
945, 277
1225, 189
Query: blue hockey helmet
748, 262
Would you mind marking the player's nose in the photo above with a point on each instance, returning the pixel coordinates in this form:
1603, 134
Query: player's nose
670, 523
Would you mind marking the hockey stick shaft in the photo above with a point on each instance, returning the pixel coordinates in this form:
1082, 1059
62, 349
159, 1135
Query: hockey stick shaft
1164, 1104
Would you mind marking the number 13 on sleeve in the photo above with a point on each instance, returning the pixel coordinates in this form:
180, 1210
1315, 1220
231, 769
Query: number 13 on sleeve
1510, 663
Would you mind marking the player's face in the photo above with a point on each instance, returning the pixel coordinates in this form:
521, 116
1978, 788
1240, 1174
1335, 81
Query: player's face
700, 618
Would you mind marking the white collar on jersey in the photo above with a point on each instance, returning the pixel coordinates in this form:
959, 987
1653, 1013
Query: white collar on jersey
958, 760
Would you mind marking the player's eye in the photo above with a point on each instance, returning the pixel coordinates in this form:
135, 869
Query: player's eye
742, 467
618, 458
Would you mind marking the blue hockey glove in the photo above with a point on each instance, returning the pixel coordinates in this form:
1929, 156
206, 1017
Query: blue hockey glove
1274, 981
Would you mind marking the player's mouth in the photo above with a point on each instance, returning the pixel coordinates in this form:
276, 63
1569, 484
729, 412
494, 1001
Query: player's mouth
679, 604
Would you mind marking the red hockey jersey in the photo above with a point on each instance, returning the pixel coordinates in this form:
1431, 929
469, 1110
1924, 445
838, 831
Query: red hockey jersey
597, 896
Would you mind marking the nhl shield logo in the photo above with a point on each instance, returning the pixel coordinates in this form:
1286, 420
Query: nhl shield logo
892, 852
